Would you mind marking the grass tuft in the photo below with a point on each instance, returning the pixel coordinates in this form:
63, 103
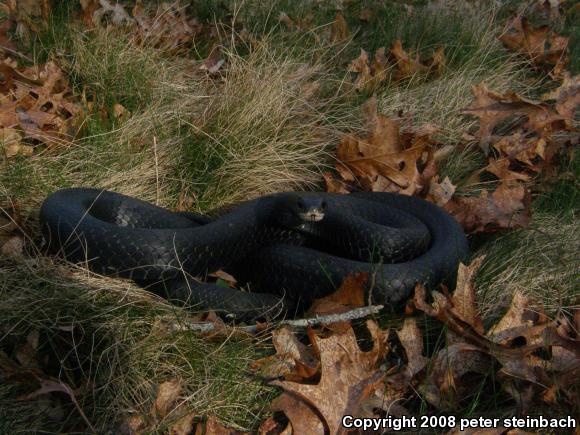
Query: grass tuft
257, 128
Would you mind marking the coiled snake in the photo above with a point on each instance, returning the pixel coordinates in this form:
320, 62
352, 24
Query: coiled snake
291, 247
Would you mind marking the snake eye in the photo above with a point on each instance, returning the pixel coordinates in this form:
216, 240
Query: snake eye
323, 205
301, 205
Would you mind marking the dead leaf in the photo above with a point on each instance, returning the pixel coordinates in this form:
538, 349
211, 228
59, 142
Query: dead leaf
464, 299
507, 207
339, 28
89, 7
167, 394
168, 28
369, 76
527, 150
548, 9
119, 112
407, 64
567, 96
438, 62
541, 45
333, 185
116, 13
214, 427
293, 23
441, 193
348, 376
448, 370
293, 360
13, 247
519, 323
387, 160
224, 276
350, 294
286, 20
512, 342
31, 16
134, 424
40, 105
271, 427
492, 108
214, 61
500, 168
48, 386
302, 417
366, 14
10, 139
412, 341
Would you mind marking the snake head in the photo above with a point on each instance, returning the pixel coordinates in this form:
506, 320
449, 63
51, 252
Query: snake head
298, 209
310, 209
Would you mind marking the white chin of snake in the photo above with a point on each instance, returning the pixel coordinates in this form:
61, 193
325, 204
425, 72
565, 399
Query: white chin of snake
312, 217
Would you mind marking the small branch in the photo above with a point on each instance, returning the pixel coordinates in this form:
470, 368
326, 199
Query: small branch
15, 53
356, 313
156, 170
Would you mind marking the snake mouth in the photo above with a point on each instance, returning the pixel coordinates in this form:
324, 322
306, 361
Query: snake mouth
312, 216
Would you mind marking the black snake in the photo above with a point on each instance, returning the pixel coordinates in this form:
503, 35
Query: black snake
291, 247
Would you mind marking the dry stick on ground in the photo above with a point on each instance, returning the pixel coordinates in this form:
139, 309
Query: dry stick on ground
157, 194
356, 313
16, 53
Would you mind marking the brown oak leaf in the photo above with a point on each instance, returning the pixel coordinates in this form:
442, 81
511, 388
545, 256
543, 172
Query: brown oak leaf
541, 45
567, 96
293, 359
387, 160
348, 376
492, 108
506, 207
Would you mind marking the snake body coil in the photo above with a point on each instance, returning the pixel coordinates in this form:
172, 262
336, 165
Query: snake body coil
300, 245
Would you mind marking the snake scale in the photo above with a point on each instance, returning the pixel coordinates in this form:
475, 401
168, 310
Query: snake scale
291, 247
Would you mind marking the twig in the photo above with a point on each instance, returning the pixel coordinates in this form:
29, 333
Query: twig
15, 53
156, 170
356, 313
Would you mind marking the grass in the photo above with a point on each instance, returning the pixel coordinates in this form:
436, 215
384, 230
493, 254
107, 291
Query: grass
268, 121
540, 261
114, 341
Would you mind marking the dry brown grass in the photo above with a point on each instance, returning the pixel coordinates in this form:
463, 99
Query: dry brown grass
259, 127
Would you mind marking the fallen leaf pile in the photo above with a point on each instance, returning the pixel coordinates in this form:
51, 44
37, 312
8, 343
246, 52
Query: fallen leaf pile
168, 29
331, 376
521, 138
527, 149
398, 64
511, 345
37, 107
348, 376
